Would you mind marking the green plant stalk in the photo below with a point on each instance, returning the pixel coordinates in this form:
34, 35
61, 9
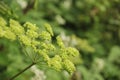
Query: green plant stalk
19, 73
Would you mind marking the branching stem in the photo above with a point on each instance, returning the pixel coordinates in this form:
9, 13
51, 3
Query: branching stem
19, 73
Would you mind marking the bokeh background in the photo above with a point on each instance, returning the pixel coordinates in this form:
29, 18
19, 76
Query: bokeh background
91, 26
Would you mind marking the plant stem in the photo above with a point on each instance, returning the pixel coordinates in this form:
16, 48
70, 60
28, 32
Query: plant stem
12, 78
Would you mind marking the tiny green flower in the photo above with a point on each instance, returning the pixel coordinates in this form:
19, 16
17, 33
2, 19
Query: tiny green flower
32, 34
49, 46
43, 45
45, 36
10, 35
48, 28
2, 22
25, 40
43, 53
59, 42
2, 32
72, 51
31, 26
34, 48
16, 27
57, 58
55, 63
63, 53
35, 42
69, 66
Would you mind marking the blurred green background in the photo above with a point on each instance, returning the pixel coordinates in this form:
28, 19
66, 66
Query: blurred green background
91, 26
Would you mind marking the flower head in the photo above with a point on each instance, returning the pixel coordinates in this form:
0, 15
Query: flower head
48, 28
2, 22
16, 27
39, 42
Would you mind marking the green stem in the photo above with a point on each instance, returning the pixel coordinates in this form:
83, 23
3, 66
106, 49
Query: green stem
12, 78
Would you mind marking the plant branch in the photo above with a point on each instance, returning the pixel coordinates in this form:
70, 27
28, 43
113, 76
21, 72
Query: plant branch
12, 78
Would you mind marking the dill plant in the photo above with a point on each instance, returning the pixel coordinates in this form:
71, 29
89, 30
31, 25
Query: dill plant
40, 43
